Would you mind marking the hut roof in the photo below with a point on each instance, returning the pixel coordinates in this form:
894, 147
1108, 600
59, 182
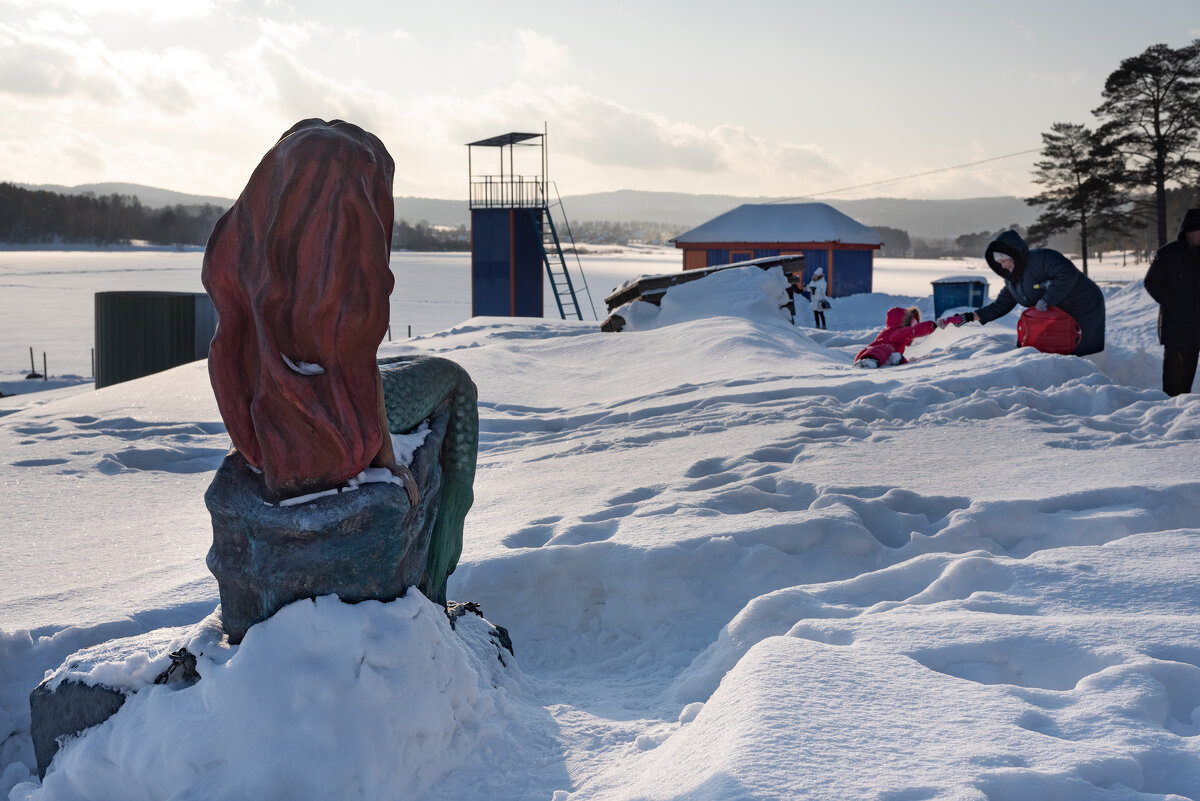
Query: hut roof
783, 222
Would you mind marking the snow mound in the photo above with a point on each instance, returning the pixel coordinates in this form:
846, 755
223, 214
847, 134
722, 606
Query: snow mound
749, 292
323, 700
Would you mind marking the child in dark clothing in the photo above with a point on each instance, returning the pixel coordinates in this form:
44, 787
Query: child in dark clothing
902, 327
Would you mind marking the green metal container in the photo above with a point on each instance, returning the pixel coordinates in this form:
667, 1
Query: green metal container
140, 333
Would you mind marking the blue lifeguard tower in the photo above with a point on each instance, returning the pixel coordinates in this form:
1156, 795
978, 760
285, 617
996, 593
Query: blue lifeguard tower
514, 239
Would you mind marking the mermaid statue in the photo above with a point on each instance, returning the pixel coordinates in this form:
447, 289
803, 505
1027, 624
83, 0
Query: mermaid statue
299, 272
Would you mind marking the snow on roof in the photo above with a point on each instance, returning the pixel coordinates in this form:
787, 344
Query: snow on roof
783, 222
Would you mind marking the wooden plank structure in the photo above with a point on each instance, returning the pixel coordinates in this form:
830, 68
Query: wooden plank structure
651, 288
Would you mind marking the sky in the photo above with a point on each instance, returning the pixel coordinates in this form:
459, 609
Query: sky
758, 98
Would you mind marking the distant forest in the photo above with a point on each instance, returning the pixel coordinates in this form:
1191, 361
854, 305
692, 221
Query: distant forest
37, 216
32, 216
1137, 237
424, 236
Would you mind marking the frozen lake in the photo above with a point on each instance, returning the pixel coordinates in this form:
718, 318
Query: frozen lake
47, 297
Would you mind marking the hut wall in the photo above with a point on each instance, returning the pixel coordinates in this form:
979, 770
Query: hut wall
852, 271
848, 269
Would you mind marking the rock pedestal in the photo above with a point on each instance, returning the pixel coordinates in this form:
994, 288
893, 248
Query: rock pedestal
71, 700
65, 709
361, 544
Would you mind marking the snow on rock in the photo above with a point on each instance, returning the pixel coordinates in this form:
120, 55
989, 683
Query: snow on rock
323, 700
132, 663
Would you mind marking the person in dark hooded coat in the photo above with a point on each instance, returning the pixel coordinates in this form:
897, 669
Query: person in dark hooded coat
1041, 278
1173, 280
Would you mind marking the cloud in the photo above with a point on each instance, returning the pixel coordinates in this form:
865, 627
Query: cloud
45, 67
198, 120
152, 10
604, 142
53, 23
168, 116
540, 55
936, 181
37, 65
290, 35
301, 92
67, 153
164, 80
607, 134
81, 152
805, 166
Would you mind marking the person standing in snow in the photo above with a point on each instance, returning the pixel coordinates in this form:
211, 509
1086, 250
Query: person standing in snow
901, 328
1042, 278
818, 297
1173, 280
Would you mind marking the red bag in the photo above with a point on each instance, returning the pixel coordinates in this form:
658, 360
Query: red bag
1050, 331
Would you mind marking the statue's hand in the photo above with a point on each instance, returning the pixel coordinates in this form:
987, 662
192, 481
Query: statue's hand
387, 458
410, 484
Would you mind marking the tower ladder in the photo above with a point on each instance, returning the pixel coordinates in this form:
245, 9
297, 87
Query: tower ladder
561, 285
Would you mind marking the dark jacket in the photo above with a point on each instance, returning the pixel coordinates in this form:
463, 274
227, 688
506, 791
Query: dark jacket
1173, 280
1042, 273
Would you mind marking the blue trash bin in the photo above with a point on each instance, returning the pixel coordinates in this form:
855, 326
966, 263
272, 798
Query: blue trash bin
956, 291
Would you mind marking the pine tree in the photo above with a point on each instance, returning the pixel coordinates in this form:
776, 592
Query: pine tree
1080, 172
1151, 114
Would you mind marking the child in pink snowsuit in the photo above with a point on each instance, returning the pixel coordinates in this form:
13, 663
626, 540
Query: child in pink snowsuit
903, 326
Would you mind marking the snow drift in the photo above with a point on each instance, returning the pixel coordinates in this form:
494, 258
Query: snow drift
732, 566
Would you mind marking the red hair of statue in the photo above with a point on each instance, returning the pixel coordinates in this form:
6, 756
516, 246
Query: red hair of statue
298, 270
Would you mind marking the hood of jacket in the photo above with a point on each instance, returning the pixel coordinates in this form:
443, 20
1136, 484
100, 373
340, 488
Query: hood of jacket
898, 317
1010, 243
1190, 222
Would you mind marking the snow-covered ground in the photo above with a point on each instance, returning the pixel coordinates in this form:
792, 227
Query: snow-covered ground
732, 566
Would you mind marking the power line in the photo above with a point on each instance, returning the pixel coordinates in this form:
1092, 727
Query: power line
908, 177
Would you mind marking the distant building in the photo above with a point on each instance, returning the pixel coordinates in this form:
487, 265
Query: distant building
843, 247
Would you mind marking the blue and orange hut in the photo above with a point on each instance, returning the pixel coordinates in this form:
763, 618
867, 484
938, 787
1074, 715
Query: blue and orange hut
843, 247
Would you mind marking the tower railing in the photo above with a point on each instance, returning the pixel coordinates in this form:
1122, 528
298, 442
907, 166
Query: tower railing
508, 191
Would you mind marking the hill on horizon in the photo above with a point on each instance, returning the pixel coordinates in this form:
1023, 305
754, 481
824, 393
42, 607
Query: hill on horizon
149, 196
924, 219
